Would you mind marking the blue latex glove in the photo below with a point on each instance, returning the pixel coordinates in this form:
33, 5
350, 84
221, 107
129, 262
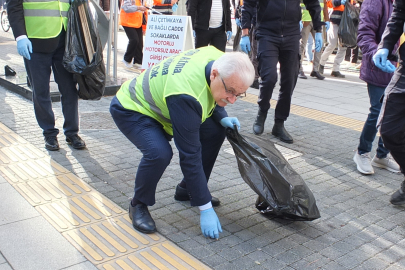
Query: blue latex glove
301, 26
389, 67
24, 48
209, 222
245, 44
228, 122
380, 58
342, 2
327, 26
175, 7
318, 42
194, 33
238, 23
228, 35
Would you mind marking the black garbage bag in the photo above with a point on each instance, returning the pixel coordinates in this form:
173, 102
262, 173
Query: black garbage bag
347, 32
282, 191
83, 51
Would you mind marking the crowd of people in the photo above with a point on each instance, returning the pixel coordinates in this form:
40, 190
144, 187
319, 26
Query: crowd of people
184, 96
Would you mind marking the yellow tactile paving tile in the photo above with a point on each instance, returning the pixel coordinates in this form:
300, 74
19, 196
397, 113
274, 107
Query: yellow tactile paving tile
160, 256
18, 153
109, 238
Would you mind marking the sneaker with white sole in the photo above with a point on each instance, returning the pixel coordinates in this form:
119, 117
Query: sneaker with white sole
127, 64
137, 66
387, 163
363, 162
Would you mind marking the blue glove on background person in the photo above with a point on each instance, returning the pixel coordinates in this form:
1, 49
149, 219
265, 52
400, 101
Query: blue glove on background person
342, 2
209, 222
380, 60
228, 122
327, 25
238, 23
24, 48
245, 44
193, 33
318, 42
175, 7
228, 35
301, 26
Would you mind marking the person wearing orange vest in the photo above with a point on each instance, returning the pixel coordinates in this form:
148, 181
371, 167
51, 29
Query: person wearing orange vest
333, 40
166, 7
131, 18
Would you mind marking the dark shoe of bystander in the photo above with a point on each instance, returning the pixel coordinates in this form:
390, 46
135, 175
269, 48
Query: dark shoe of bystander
141, 219
398, 197
258, 126
280, 132
317, 75
337, 74
301, 75
76, 141
51, 143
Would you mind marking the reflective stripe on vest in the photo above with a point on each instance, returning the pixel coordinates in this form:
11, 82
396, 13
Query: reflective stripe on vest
44, 13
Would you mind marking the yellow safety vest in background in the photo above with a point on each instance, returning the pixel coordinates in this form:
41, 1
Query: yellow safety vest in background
44, 18
306, 17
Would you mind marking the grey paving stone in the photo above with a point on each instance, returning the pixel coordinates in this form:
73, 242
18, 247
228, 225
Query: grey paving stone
2, 259
82, 266
5, 266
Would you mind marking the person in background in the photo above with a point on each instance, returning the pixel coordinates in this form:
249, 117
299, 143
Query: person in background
333, 39
183, 97
165, 7
369, 35
309, 51
211, 21
308, 30
391, 121
131, 19
40, 34
278, 38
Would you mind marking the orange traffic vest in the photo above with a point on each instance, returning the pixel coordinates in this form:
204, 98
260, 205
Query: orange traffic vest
338, 8
133, 19
159, 3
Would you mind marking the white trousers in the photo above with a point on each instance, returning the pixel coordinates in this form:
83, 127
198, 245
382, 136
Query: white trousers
333, 40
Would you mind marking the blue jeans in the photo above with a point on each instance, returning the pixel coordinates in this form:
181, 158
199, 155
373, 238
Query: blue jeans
370, 130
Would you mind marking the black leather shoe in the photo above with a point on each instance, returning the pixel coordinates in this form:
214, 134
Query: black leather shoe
76, 141
321, 69
398, 198
301, 75
255, 84
51, 143
141, 219
182, 195
317, 75
258, 126
337, 74
280, 132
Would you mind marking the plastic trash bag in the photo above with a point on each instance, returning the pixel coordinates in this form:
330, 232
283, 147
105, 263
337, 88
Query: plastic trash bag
282, 192
347, 32
83, 51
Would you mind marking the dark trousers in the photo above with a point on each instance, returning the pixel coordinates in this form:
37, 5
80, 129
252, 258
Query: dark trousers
352, 55
270, 51
39, 72
370, 130
148, 136
213, 36
135, 45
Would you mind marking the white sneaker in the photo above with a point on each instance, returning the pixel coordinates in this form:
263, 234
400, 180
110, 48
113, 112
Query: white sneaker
127, 64
137, 66
387, 163
363, 163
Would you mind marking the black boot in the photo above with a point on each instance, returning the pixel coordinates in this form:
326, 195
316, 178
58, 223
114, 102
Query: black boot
280, 132
258, 126
141, 219
317, 75
182, 195
398, 197
51, 143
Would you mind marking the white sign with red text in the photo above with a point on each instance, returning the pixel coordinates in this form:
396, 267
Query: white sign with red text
166, 35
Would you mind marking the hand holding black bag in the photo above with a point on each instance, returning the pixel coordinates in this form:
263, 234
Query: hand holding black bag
347, 32
282, 191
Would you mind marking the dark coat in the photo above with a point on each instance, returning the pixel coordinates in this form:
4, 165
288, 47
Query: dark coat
200, 12
374, 16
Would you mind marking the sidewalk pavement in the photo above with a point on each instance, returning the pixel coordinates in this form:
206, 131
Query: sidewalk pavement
358, 228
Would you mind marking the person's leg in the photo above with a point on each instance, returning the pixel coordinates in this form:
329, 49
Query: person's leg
308, 50
332, 42
218, 38
132, 43
253, 55
305, 32
315, 65
340, 55
355, 54
138, 54
202, 37
149, 137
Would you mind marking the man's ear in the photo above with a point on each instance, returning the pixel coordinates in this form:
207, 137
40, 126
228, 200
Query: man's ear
214, 74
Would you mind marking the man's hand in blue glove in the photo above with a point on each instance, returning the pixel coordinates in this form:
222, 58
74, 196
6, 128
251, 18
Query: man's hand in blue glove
318, 42
174, 7
228, 35
238, 23
342, 2
380, 58
327, 25
24, 48
301, 26
245, 44
229, 122
209, 222
194, 33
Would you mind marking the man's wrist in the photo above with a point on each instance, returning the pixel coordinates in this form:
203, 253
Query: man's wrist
205, 206
20, 37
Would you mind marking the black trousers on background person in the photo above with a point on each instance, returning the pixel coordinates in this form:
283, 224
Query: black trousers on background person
270, 51
135, 45
213, 36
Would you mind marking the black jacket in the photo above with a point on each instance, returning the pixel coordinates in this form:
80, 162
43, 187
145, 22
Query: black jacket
279, 17
393, 31
200, 12
17, 22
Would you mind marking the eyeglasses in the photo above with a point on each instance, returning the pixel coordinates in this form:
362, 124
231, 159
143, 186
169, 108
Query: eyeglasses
231, 92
